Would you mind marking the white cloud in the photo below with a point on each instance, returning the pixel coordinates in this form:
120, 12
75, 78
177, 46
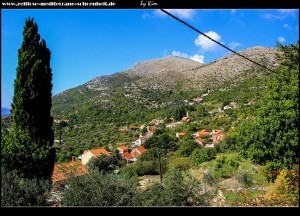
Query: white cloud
271, 16
281, 14
180, 13
177, 53
281, 39
196, 57
287, 11
207, 44
234, 45
286, 25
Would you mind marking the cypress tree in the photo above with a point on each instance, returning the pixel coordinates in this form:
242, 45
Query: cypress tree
32, 104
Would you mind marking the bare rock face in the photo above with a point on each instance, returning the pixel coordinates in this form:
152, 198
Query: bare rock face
167, 64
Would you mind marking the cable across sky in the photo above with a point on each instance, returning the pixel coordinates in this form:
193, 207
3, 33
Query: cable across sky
188, 25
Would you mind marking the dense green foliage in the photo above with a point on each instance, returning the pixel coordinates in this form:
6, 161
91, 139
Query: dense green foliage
27, 149
271, 136
22, 155
103, 163
99, 189
186, 148
16, 191
201, 155
164, 141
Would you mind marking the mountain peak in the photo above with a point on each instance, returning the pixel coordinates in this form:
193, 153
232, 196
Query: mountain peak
165, 64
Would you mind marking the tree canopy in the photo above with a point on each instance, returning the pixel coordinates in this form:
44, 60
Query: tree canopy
271, 135
33, 155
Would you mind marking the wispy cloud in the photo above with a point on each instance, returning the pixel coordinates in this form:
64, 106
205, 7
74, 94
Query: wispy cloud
281, 14
177, 53
281, 39
180, 13
196, 57
207, 44
234, 45
287, 11
272, 16
286, 25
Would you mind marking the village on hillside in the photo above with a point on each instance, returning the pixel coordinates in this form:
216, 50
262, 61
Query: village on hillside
130, 152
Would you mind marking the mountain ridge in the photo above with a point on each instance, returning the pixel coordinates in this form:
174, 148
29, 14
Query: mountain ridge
160, 70
158, 82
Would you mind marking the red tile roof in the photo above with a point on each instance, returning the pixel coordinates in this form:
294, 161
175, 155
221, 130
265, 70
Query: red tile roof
123, 148
135, 154
203, 132
201, 140
134, 127
127, 155
141, 149
122, 129
218, 131
180, 133
97, 152
63, 170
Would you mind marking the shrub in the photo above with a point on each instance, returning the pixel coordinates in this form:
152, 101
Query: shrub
99, 189
225, 166
176, 190
245, 178
103, 162
183, 163
186, 149
16, 191
202, 155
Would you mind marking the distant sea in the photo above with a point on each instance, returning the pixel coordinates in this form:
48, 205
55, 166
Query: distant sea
5, 111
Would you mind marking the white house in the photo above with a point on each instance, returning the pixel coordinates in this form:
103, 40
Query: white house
140, 140
88, 154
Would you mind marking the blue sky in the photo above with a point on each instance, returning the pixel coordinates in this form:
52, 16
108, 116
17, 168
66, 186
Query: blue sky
88, 43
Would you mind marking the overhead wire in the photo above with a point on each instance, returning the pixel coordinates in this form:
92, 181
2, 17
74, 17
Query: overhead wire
205, 35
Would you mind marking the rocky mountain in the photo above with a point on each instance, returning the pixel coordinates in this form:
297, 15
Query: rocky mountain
169, 72
163, 82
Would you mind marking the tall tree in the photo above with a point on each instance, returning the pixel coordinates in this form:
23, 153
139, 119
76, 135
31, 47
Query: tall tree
271, 137
31, 106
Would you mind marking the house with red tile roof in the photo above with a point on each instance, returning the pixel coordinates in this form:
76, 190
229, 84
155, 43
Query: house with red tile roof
135, 154
129, 158
62, 171
133, 127
200, 141
217, 136
88, 154
138, 151
122, 149
203, 133
180, 134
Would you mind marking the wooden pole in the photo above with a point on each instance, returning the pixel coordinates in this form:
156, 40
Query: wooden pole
160, 173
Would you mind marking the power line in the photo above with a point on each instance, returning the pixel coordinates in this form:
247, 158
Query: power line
188, 25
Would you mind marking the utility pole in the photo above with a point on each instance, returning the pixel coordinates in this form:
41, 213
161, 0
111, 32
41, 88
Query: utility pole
60, 132
160, 173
